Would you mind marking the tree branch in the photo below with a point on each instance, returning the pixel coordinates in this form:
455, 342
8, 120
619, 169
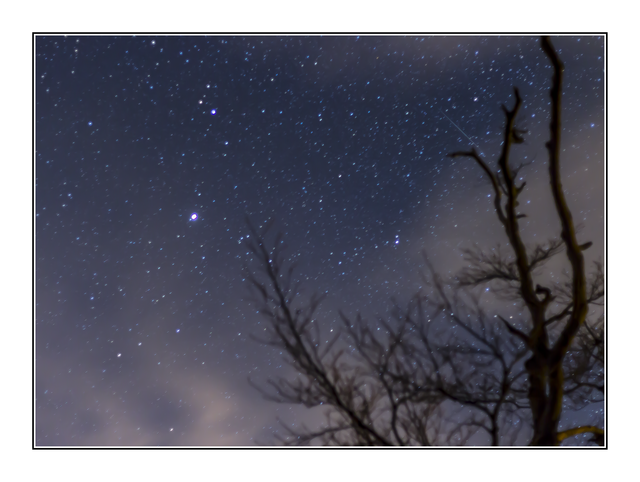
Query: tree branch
572, 432
568, 232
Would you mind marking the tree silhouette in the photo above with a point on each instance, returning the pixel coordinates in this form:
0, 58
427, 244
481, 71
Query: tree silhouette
443, 370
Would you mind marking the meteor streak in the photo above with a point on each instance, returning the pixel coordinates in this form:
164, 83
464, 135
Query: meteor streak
456, 126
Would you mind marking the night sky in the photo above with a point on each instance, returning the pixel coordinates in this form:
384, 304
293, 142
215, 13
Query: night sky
151, 150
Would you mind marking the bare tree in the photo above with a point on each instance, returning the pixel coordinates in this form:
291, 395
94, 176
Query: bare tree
443, 370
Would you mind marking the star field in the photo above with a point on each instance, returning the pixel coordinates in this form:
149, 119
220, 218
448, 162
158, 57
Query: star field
152, 150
